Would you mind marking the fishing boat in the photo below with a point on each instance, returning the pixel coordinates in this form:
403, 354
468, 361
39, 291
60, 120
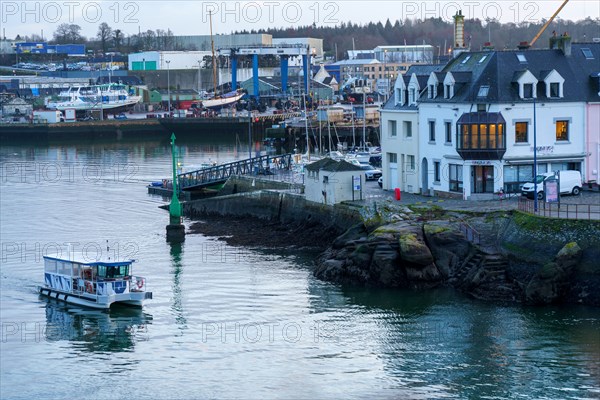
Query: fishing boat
95, 284
110, 96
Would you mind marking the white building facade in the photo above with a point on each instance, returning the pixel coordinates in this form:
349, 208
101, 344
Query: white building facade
484, 116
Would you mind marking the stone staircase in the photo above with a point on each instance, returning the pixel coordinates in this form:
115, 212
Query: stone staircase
484, 277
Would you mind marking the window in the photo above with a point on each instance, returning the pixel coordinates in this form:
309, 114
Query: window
412, 96
521, 132
521, 58
448, 91
448, 126
456, 178
481, 108
432, 131
482, 59
410, 162
393, 157
554, 89
562, 130
528, 91
483, 91
467, 58
587, 53
515, 176
408, 129
436, 171
392, 128
431, 91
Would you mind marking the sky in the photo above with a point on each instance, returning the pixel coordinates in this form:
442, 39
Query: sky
192, 17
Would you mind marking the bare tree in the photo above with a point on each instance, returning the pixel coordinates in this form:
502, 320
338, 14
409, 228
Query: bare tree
103, 35
68, 33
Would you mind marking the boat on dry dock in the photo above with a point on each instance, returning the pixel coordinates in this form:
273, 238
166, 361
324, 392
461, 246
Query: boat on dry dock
95, 284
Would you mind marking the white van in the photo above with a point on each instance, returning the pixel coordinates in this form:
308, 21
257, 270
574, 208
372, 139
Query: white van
570, 182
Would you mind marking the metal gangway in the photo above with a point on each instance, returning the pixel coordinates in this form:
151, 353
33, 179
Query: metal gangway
262, 165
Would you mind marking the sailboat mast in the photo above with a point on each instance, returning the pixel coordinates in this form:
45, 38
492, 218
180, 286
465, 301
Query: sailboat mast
214, 60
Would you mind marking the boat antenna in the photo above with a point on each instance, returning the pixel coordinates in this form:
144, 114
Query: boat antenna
107, 249
214, 60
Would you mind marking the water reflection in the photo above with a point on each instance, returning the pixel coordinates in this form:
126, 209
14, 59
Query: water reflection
177, 269
95, 330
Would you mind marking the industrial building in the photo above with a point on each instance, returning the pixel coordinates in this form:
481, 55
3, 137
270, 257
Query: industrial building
163, 60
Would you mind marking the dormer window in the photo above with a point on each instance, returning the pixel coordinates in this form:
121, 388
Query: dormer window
449, 86
554, 85
432, 91
432, 85
528, 91
412, 96
527, 85
400, 96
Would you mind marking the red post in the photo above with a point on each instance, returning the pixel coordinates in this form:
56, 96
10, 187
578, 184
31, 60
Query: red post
398, 194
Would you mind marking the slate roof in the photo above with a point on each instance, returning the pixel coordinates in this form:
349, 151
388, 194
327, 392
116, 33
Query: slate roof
500, 70
340, 166
317, 165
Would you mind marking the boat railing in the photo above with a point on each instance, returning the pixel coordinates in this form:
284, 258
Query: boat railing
101, 287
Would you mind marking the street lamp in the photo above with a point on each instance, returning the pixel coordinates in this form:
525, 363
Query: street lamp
385, 73
535, 195
168, 86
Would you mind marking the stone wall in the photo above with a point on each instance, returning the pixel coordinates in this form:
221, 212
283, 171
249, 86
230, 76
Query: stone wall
284, 207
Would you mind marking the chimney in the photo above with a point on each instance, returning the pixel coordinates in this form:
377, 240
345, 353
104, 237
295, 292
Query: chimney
459, 34
487, 46
565, 44
523, 45
554, 41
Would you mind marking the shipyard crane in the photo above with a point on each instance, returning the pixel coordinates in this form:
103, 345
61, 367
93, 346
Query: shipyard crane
548, 23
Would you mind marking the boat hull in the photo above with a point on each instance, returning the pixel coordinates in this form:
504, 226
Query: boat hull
221, 102
134, 299
83, 106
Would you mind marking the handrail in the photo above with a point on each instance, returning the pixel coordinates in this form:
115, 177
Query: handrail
221, 173
565, 211
470, 233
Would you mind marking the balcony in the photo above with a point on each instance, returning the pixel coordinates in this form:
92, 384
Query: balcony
481, 136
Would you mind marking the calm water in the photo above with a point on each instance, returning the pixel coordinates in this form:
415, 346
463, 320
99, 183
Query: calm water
231, 322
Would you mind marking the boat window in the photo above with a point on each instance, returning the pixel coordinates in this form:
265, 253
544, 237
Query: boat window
50, 266
101, 271
64, 268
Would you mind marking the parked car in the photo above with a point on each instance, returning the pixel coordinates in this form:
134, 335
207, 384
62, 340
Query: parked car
371, 173
570, 182
120, 116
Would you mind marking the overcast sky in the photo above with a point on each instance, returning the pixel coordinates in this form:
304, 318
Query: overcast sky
191, 17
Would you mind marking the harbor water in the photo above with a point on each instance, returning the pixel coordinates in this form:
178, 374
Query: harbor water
235, 322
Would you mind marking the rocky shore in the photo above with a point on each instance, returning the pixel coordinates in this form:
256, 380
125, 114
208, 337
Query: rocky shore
503, 256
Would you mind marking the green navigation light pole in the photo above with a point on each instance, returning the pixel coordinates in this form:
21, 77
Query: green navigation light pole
175, 206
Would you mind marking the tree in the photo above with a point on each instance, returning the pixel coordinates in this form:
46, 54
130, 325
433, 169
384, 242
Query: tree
103, 35
68, 33
117, 39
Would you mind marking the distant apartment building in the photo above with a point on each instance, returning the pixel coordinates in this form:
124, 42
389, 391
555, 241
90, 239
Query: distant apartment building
479, 116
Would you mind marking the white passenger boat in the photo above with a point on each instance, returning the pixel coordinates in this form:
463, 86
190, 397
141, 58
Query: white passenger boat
111, 97
96, 284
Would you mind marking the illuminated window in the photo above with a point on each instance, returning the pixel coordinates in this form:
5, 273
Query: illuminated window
562, 130
521, 133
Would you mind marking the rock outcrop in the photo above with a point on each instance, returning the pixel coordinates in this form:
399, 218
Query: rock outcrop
551, 281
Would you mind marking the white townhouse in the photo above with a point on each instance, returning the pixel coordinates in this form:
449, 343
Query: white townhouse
479, 117
399, 130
